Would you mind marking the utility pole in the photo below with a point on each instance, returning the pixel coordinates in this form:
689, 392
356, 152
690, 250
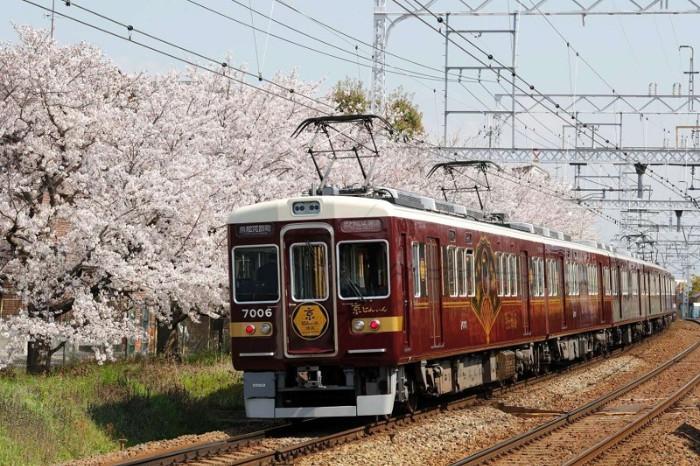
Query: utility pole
377, 91
691, 76
53, 16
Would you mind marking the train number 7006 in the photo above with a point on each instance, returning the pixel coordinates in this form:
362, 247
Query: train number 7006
259, 313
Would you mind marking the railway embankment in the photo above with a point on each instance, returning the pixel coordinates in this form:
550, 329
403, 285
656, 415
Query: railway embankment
89, 409
455, 434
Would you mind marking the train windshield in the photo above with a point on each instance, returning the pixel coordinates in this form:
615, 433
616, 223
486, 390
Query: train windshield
255, 273
309, 271
363, 269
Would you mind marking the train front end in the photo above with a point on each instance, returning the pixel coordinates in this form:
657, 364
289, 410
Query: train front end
313, 325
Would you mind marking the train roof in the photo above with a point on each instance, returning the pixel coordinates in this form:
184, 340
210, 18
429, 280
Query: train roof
348, 206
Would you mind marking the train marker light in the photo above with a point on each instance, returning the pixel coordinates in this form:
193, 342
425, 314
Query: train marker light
250, 329
374, 325
358, 325
265, 328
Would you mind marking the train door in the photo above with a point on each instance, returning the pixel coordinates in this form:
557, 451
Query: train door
564, 290
310, 324
432, 257
526, 302
405, 291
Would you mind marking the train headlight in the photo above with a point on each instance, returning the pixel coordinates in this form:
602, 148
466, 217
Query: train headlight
265, 328
250, 329
358, 325
374, 325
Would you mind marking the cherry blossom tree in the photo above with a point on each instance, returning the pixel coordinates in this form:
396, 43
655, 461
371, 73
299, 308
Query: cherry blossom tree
115, 188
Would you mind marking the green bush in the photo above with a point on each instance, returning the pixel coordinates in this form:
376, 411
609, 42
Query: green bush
84, 410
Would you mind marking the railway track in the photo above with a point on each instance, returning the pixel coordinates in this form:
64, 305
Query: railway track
281, 444
585, 433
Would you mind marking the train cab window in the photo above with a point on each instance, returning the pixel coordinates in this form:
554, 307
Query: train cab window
363, 269
420, 288
309, 271
256, 274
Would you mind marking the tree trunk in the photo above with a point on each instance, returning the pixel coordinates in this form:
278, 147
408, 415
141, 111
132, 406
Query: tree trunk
39, 357
167, 341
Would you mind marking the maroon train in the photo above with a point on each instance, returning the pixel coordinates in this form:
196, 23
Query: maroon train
351, 305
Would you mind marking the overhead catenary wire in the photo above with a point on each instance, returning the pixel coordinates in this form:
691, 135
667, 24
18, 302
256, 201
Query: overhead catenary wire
131, 29
356, 40
353, 54
532, 88
188, 61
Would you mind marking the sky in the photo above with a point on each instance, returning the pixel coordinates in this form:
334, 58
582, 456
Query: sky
624, 53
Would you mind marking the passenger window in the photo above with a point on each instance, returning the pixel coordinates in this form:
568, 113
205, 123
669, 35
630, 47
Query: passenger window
363, 269
420, 288
471, 280
461, 273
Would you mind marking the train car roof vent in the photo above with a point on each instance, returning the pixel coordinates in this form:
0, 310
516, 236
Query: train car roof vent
474, 214
556, 234
567, 237
587, 242
540, 231
451, 208
408, 199
522, 226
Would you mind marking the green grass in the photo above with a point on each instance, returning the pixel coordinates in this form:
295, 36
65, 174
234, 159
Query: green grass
87, 409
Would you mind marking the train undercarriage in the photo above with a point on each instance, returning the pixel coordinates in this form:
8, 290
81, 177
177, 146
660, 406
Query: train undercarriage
330, 391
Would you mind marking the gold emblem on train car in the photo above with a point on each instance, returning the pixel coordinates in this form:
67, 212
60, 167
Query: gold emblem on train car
486, 302
310, 320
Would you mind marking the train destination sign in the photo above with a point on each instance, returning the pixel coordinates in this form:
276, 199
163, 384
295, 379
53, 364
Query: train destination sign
310, 320
256, 230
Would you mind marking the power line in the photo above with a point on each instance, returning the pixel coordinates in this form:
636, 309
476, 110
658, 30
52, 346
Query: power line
401, 71
342, 34
130, 28
490, 57
189, 62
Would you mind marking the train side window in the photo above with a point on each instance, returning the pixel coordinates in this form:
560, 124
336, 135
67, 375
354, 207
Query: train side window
363, 269
506, 275
451, 270
552, 277
536, 276
419, 271
255, 274
606, 281
514, 275
635, 283
471, 279
499, 273
461, 272
309, 266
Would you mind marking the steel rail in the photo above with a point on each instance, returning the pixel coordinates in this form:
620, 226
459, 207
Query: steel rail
639, 423
209, 451
513, 443
203, 450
